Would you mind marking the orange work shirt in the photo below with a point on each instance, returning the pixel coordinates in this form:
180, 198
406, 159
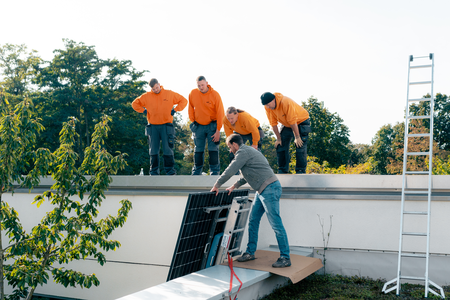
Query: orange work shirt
159, 105
287, 112
244, 125
205, 108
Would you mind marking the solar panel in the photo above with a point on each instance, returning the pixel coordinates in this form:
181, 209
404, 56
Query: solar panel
198, 230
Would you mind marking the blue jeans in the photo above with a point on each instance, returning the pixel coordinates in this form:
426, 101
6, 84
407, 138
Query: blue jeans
268, 202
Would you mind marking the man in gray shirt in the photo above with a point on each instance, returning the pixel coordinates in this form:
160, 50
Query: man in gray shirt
256, 171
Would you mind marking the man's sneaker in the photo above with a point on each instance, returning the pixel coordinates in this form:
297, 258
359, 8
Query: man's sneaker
246, 257
282, 262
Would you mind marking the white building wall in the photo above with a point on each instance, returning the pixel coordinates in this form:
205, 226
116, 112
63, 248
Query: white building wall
363, 238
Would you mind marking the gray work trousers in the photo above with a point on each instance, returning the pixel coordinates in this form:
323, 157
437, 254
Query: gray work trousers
283, 156
203, 134
161, 134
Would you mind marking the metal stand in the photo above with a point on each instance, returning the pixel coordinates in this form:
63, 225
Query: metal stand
234, 228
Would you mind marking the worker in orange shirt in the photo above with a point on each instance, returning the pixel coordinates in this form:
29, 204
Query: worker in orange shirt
242, 123
295, 124
158, 107
206, 114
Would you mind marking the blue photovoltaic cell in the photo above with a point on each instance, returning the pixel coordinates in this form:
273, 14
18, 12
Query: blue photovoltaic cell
197, 230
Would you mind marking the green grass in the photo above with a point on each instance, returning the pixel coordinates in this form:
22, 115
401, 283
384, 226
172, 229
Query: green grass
337, 287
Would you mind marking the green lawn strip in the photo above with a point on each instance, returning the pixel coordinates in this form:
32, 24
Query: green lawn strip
337, 287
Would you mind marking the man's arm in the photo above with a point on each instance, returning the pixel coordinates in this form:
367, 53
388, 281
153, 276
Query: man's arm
238, 162
277, 134
220, 112
180, 101
138, 105
298, 141
227, 127
295, 130
254, 132
191, 111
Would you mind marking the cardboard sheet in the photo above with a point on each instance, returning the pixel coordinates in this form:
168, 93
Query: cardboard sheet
301, 266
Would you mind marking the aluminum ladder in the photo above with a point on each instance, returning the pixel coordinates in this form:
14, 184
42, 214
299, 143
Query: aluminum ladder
409, 190
235, 221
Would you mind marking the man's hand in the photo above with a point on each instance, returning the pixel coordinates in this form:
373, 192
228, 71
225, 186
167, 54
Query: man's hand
298, 142
214, 189
277, 143
216, 136
172, 112
230, 189
255, 147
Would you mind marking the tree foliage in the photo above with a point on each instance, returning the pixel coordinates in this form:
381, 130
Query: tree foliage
72, 230
18, 130
17, 67
330, 136
76, 82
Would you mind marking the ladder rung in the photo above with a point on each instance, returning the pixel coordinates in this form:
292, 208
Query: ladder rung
243, 210
418, 117
411, 277
415, 233
417, 153
419, 82
419, 99
415, 212
238, 230
416, 192
417, 172
418, 134
414, 255
420, 66
233, 250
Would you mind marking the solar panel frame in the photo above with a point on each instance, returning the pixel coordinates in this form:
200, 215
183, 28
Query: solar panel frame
195, 231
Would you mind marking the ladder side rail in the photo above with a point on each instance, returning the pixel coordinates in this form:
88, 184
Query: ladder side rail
430, 182
230, 224
402, 206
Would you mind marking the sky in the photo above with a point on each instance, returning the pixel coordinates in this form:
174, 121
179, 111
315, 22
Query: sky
352, 55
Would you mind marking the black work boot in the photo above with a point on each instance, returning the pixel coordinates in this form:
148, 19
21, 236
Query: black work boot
282, 262
246, 257
169, 163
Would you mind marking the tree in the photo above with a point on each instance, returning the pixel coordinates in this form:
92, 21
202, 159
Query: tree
420, 144
72, 229
330, 136
69, 80
382, 144
360, 153
441, 123
76, 82
268, 147
441, 167
415, 144
18, 130
17, 67
184, 146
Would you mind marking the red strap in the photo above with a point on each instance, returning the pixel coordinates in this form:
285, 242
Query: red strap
230, 264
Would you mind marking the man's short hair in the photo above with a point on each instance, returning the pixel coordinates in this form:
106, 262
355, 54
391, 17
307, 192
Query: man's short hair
200, 78
233, 110
152, 82
235, 138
